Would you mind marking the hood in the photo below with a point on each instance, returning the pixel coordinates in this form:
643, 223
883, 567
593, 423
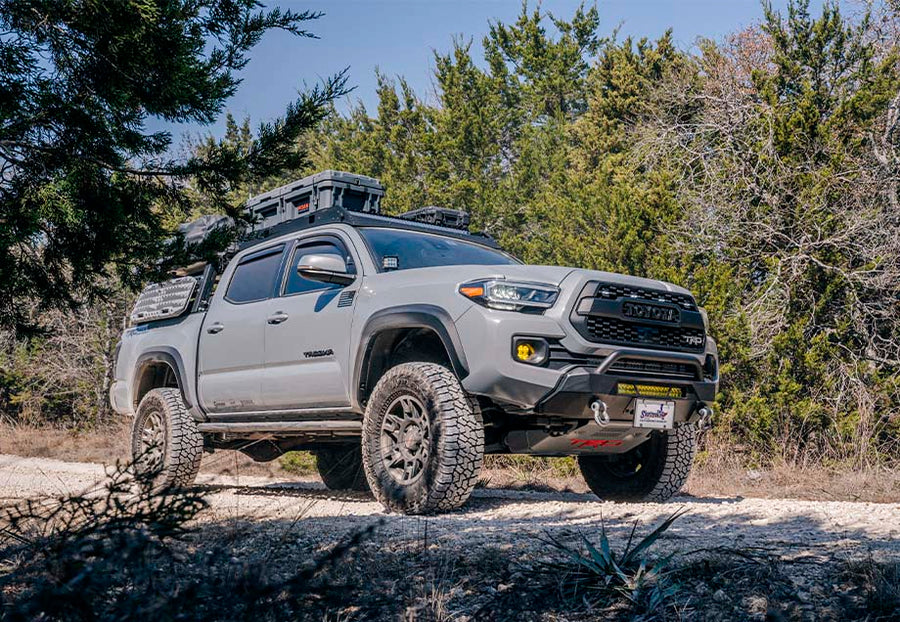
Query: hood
634, 281
551, 275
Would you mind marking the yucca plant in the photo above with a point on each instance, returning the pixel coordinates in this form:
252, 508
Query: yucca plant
598, 575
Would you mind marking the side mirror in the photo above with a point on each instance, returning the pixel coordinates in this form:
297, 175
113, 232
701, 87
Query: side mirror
325, 268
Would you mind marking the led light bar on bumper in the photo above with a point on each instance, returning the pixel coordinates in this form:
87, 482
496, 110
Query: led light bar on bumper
649, 390
511, 295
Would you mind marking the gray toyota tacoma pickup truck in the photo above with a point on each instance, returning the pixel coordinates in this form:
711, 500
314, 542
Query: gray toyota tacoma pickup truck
400, 350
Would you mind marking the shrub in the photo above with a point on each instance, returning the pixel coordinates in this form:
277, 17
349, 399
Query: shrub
298, 463
126, 551
599, 575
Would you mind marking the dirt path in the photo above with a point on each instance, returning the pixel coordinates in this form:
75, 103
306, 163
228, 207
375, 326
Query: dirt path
802, 532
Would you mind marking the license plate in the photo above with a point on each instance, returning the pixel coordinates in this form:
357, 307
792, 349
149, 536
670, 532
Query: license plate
654, 414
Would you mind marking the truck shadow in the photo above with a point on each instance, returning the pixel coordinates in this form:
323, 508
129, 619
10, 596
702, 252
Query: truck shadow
792, 556
800, 535
482, 498
300, 490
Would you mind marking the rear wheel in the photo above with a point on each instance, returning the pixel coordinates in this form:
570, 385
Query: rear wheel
166, 445
653, 471
341, 468
423, 440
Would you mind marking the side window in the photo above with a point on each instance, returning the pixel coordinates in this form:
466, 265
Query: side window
296, 284
254, 278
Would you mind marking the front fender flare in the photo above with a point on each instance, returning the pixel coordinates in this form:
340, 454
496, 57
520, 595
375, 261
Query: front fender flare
408, 316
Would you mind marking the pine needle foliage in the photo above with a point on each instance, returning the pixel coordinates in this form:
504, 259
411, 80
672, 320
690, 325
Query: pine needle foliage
87, 190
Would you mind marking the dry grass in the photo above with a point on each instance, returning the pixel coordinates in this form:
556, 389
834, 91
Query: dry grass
719, 472
111, 443
874, 588
104, 445
786, 481
529, 473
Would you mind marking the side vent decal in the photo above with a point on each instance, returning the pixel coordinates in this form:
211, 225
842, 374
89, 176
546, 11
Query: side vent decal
346, 298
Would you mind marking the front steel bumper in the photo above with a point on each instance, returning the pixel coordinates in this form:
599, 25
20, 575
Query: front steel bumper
578, 387
568, 391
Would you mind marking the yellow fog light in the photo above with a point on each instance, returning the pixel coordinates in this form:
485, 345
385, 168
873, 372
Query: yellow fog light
524, 351
531, 350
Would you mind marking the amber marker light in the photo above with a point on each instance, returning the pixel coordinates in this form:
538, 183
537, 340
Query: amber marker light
471, 291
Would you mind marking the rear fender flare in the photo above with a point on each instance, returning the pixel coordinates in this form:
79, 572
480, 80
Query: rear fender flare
171, 357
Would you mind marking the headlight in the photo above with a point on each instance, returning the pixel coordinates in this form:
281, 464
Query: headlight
510, 295
705, 317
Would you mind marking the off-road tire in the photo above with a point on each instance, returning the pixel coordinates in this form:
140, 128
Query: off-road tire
182, 442
455, 442
341, 468
665, 461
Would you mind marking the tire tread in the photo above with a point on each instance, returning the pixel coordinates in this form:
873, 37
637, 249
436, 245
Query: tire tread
676, 455
184, 441
461, 445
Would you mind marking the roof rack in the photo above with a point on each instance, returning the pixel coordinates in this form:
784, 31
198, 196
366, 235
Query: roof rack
443, 216
328, 197
335, 215
338, 196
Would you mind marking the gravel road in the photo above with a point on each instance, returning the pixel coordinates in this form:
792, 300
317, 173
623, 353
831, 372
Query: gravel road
801, 532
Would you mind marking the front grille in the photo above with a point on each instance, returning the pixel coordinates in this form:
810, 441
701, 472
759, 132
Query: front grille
612, 291
615, 331
655, 369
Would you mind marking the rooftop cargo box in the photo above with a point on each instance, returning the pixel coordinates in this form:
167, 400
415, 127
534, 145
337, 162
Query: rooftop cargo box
315, 193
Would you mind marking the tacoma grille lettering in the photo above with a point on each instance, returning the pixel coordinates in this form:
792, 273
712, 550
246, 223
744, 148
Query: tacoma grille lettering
644, 311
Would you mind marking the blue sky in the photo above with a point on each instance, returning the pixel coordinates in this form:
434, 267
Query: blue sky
398, 37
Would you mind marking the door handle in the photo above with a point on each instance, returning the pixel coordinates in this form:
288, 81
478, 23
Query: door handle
218, 327
278, 317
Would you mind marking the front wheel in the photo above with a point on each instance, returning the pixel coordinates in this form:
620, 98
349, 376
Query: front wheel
423, 440
653, 471
166, 445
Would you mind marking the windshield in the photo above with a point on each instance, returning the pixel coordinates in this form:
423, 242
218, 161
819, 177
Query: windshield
397, 249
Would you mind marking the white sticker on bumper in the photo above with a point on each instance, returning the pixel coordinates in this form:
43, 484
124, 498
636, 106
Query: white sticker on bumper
654, 414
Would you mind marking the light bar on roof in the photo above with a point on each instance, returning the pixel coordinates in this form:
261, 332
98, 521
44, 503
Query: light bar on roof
164, 300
